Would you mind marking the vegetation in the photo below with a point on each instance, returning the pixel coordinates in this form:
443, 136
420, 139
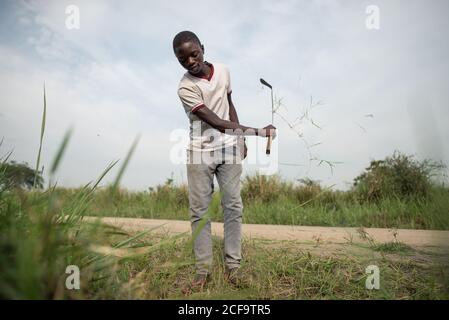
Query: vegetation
271, 200
42, 232
398, 176
40, 236
277, 271
19, 175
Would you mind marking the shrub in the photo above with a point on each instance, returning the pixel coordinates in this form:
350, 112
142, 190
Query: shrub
308, 190
398, 175
170, 194
19, 175
264, 188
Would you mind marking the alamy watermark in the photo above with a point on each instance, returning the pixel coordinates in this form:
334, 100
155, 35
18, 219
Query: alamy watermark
373, 279
72, 21
372, 21
72, 282
207, 145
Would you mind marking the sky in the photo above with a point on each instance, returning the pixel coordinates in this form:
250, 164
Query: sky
358, 84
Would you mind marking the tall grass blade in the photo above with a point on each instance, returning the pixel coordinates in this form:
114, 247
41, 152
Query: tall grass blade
109, 167
137, 236
7, 157
82, 201
60, 153
44, 116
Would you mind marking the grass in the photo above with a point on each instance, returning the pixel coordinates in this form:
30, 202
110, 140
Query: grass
279, 273
291, 206
36, 249
41, 235
43, 232
393, 247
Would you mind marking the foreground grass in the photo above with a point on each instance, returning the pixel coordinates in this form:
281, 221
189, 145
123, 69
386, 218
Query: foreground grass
281, 272
41, 233
300, 207
38, 241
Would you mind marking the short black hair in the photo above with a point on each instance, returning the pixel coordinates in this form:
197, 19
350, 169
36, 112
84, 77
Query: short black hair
185, 36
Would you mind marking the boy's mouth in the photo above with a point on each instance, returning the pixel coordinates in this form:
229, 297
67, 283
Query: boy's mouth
194, 69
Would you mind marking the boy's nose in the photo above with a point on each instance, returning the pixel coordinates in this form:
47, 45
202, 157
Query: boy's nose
190, 62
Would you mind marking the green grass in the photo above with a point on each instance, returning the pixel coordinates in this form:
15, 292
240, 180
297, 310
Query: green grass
393, 247
279, 273
43, 232
330, 208
37, 244
40, 236
35, 250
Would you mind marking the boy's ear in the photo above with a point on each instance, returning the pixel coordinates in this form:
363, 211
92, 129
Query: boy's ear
202, 48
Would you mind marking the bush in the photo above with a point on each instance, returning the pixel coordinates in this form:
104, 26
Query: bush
170, 194
397, 176
19, 175
308, 190
270, 188
264, 188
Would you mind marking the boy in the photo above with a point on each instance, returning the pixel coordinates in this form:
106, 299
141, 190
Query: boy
214, 149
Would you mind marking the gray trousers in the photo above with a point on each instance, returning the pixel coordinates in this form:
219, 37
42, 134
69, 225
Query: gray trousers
226, 165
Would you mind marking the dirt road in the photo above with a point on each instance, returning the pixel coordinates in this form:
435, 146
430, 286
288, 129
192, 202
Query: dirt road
322, 235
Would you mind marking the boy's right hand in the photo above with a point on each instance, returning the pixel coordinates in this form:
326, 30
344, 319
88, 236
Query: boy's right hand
267, 131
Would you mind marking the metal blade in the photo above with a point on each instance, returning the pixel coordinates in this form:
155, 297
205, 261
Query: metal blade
265, 83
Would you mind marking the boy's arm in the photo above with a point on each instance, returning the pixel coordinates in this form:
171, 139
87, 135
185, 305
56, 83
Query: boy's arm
232, 113
193, 101
234, 118
229, 127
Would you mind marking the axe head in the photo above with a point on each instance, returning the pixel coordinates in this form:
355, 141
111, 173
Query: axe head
265, 83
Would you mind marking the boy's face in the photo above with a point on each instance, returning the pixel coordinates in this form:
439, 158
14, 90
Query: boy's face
190, 56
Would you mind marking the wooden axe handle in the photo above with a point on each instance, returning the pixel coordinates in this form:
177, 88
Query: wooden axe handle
268, 150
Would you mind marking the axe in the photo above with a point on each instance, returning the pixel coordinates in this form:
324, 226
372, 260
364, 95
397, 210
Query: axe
268, 150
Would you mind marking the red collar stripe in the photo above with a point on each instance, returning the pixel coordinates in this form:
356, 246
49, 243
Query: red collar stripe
211, 72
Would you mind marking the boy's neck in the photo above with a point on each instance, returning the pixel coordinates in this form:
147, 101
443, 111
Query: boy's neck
206, 72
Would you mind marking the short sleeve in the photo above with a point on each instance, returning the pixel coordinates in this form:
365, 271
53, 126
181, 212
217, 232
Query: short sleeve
191, 99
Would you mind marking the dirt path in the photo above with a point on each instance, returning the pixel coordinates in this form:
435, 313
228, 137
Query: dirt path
321, 235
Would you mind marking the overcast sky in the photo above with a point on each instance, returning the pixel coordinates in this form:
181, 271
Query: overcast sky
116, 77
